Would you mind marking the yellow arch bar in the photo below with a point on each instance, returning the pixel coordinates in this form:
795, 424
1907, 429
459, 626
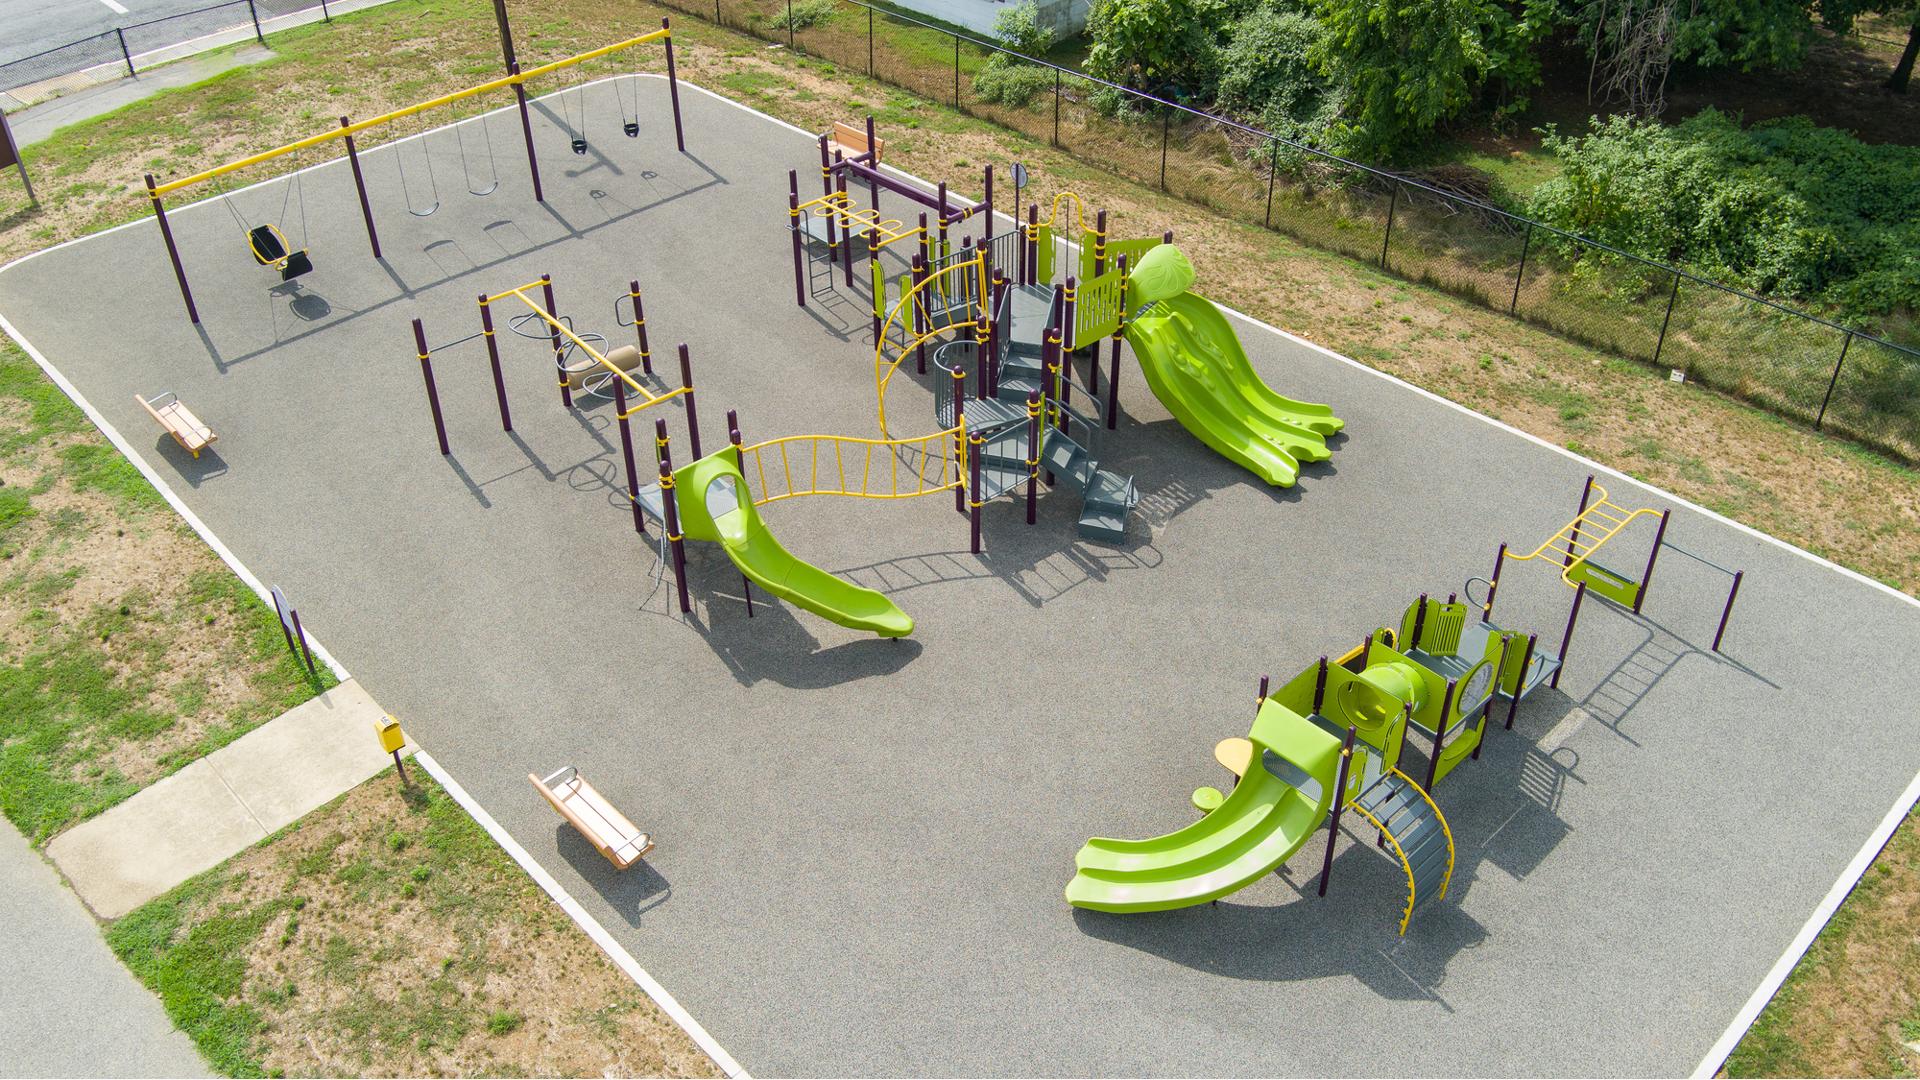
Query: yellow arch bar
399, 114
883, 368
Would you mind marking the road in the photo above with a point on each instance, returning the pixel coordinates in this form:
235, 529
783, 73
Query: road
28, 27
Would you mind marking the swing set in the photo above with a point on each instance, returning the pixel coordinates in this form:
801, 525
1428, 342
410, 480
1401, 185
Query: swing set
269, 244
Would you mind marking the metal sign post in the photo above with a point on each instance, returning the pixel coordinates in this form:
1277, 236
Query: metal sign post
10, 155
1019, 181
290, 628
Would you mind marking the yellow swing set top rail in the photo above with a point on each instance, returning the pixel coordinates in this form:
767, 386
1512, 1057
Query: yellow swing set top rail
398, 114
1602, 520
647, 398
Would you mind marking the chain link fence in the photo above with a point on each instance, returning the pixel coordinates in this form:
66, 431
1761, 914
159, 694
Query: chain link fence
1792, 363
129, 50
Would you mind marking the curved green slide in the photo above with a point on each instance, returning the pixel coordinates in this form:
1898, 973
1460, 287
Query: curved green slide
1264, 820
1196, 366
714, 504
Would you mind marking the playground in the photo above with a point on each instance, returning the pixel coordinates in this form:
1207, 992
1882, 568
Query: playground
862, 826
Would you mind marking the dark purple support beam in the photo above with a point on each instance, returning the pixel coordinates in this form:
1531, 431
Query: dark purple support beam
826, 188
940, 216
873, 189
673, 89
1261, 698
1339, 804
1067, 342
1440, 733
360, 185
1113, 364
793, 226
526, 131
846, 249
982, 357
693, 415
986, 219
1419, 624
493, 361
173, 252
1099, 242
669, 502
553, 338
1493, 584
919, 306
1566, 639
1573, 534
740, 462
995, 346
1526, 660
640, 326
1030, 265
976, 446
960, 435
1033, 451
1738, 576
880, 290
433, 392
1646, 578
626, 454
1320, 687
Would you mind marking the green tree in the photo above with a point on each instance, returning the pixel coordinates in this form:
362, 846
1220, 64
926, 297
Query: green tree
1164, 47
1840, 15
1411, 64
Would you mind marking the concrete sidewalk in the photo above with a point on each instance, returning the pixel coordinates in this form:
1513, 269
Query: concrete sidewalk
224, 803
70, 1008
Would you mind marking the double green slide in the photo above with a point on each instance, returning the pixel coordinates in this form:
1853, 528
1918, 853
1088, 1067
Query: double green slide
715, 506
1274, 810
1196, 366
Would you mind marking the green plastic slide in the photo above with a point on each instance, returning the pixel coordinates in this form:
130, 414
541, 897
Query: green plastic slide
714, 505
1264, 820
1196, 366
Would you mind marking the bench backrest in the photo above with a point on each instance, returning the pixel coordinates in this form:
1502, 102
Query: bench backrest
854, 140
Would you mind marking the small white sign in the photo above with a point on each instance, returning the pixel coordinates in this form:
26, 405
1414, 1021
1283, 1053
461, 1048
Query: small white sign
1676, 375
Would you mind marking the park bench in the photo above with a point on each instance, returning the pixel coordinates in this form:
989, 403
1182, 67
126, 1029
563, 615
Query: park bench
606, 828
186, 428
852, 141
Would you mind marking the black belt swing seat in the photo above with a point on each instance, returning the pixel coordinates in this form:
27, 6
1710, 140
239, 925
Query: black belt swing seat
270, 246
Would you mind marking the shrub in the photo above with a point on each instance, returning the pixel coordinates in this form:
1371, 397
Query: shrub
805, 13
1019, 29
1267, 75
1164, 47
1004, 79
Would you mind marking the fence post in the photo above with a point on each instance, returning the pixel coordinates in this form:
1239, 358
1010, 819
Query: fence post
325, 15
1166, 132
1520, 274
1661, 343
122, 35
1831, 383
956, 71
869, 43
1393, 204
255, 13
1273, 171
789, 24
1056, 108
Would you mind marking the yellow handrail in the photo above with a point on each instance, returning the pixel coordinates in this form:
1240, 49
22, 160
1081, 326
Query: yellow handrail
938, 469
399, 114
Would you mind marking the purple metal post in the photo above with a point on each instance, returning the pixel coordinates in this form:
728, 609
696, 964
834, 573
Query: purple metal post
740, 462
1566, 639
526, 130
1493, 584
1067, 335
360, 185
919, 307
1099, 242
671, 510
1113, 364
873, 275
553, 338
1339, 803
1320, 687
640, 327
626, 454
1033, 451
173, 253
793, 226
673, 89
960, 432
1728, 610
1030, 273
976, 445
693, 417
1440, 733
846, 250
873, 182
1646, 579
433, 394
1520, 684
1573, 534
994, 344
300, 634
826, 189
1261, 698
1419, 622
986, 222
493, 361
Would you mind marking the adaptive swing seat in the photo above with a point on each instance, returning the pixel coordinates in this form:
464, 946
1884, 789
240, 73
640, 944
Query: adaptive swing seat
186, 428
270, 249
606, 828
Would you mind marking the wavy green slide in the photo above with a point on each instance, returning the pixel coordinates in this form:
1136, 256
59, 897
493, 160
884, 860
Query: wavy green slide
1196, 366
1264, 820
714, 505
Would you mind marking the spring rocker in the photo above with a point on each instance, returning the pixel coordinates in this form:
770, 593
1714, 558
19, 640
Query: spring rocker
1296, 773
